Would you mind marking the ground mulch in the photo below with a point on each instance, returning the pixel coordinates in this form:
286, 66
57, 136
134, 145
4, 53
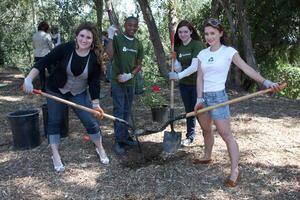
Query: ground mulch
267, 130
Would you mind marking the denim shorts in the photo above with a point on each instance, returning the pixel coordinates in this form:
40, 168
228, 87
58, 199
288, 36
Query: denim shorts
213, 98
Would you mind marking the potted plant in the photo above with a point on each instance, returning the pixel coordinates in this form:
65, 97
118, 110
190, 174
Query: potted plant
154, 100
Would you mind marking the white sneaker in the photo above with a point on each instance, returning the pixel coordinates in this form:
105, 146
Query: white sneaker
58, 168
186, 142
103, 159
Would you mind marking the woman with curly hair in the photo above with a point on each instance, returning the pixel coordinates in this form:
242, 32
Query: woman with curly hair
77, 72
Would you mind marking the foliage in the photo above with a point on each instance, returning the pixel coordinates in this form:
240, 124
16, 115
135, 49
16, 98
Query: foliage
286, 73
153, 97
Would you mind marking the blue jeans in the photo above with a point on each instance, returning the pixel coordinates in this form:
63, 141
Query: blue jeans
189, 98
122, 107
108, 71
213, 98
56, 112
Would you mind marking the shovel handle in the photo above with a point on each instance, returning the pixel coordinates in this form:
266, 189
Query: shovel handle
39, 92
191, 114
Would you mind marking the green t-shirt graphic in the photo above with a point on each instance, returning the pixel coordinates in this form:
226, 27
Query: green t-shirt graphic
184, 55
127, 53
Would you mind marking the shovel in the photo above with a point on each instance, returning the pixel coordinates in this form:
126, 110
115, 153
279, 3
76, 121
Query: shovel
172, 140
190, 114
80, 107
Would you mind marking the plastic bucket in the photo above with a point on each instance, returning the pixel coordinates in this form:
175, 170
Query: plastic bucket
25, 128
64, 127
160, 114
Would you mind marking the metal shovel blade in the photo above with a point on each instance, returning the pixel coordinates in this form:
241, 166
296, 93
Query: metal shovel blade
172, 141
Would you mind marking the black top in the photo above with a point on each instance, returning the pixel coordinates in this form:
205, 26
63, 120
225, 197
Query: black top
59, 57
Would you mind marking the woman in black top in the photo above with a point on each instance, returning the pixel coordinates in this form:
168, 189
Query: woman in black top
77, 69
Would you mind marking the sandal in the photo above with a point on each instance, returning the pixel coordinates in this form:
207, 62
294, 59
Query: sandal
206, 161
231, 183
103, 160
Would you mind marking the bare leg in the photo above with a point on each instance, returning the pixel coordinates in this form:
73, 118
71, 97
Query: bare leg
223, 127
206, 126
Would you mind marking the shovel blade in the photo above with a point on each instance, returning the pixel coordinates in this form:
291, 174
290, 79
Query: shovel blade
171, 142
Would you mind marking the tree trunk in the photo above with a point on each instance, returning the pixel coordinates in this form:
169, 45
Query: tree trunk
154, 37
247, 42
172, 16
215, 8
99, 12
34, 23
235, 72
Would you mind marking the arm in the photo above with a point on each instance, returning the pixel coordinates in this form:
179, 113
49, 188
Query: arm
49, 41
111, 33
190, 70
27, 85
199, 81
109, 49
240, 63
200, 99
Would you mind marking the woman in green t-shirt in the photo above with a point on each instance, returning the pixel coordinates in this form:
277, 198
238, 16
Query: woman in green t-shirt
187, 47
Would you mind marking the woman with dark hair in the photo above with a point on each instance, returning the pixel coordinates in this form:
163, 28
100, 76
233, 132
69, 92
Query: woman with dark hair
42, 45
212, 73
77, 70
187, 46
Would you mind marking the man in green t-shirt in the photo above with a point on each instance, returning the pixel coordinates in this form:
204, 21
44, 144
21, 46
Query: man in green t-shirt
127, 54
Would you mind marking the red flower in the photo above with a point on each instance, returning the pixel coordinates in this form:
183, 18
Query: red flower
155, 88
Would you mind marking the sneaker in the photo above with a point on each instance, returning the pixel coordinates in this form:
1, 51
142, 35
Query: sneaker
58, 168
186, 142
119, 148
103, 159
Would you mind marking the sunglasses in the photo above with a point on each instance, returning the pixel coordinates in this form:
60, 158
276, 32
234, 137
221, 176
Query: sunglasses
213, 22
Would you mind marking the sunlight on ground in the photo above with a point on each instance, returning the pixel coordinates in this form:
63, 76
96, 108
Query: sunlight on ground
11, 98
85, 177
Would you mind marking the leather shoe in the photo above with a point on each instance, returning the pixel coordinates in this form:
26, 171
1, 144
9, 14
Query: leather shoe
130, 143
231, 183
119, 148
199, 161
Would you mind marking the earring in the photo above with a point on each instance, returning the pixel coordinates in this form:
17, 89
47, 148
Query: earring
92, 46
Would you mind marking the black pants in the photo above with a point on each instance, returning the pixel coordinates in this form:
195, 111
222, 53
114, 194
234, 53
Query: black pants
42, 75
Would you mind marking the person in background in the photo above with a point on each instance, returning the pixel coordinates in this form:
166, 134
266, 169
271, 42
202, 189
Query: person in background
42, 45
76, 74
187, 46
127, 54
108, 70
55, 35
214, 64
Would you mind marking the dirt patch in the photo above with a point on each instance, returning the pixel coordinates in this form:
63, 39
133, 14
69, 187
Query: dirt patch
266, 128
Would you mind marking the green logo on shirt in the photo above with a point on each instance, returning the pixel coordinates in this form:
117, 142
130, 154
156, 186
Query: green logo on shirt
127, 49
211, 59
184, 54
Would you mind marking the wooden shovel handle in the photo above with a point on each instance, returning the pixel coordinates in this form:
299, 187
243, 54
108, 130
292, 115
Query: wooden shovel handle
190, 114
75, 105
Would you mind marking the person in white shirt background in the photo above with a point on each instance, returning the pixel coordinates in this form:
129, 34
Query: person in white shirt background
42, 44
214, 64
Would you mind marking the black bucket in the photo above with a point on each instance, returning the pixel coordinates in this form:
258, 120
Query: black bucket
160, 114
64, 127
25, 128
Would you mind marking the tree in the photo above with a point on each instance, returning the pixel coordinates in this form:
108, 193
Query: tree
154, 36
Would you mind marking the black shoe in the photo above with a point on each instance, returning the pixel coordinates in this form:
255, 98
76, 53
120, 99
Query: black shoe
119, 149
130, 143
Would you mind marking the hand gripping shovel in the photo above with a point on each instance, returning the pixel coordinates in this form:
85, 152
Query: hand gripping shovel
80, 107
190, 114
172, 140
